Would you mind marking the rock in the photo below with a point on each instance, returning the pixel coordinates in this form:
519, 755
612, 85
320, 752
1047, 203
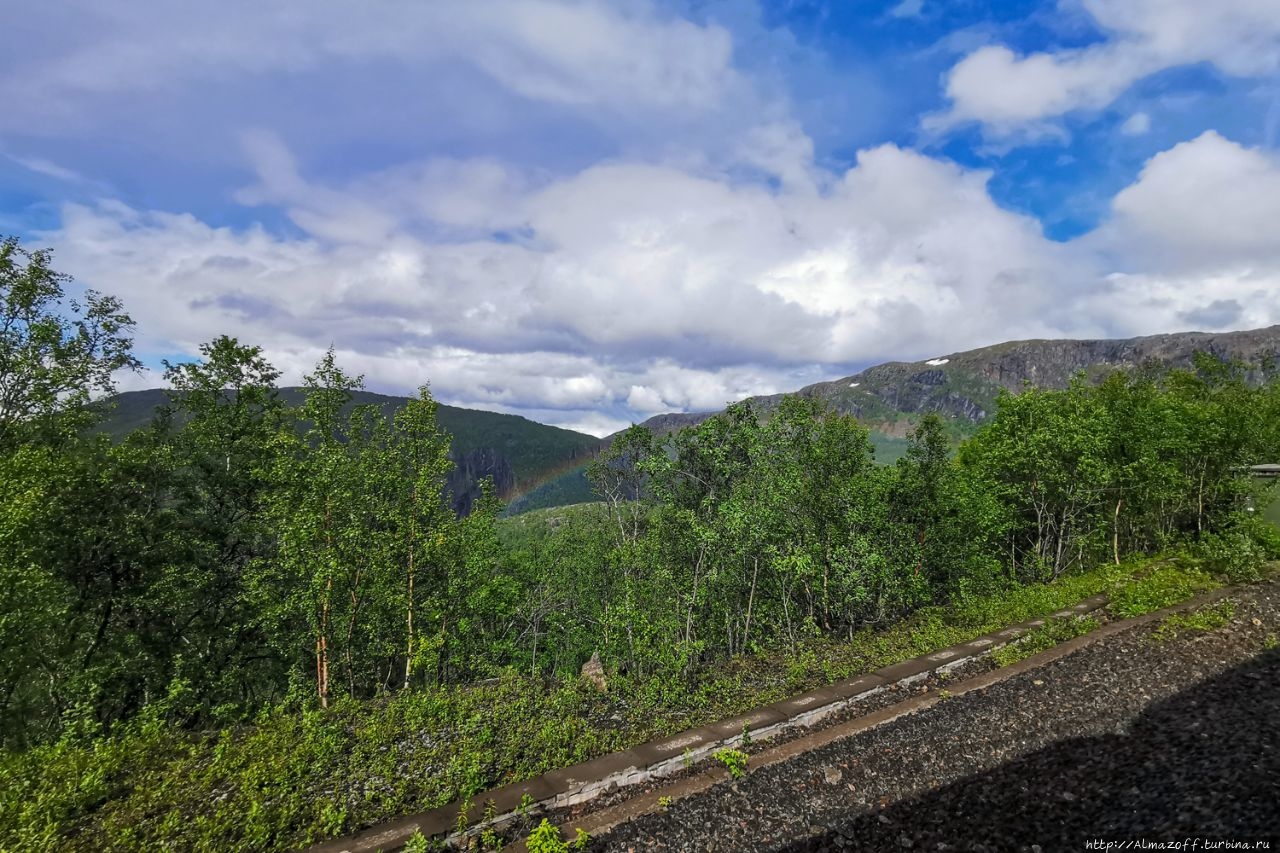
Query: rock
831, 774
593, 671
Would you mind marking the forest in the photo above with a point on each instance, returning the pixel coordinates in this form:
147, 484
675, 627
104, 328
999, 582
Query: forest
202, 619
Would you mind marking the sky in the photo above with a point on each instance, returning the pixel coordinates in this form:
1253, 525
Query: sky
591, 212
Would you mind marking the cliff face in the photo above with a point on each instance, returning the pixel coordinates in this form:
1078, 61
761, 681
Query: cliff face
964, 385
674, 422
469, 469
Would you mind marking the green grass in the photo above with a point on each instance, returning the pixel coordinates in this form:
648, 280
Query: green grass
1198, 621
1047, 636
1167, 583
295, 777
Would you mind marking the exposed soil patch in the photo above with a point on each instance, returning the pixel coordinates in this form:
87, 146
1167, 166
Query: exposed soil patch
1127, 737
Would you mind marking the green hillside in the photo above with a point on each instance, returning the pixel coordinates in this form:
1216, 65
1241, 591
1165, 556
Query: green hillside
535, 452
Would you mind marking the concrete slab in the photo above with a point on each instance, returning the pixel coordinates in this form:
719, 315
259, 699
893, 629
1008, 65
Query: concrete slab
673, 746
568, 779
805, 702
509, 797
754, 720
906, 669
852, 688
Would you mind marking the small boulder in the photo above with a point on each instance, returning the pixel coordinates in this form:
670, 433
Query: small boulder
593, 671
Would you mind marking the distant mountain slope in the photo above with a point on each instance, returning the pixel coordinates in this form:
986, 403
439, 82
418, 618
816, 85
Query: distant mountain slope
516, 452
889, 398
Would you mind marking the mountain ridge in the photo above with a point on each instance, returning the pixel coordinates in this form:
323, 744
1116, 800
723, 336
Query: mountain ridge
889, 397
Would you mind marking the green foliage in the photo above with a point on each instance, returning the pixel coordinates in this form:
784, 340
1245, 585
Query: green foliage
1238, 553
539, 454
1165, 585
1198, 621
208, 622
545, 838
54, 352
734, 760
138, 786
1048, 635
417, 843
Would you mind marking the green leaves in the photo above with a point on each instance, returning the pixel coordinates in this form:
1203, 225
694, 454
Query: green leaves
54, 353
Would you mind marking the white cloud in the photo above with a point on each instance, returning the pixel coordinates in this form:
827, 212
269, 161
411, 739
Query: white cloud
1193, 240
632, 288
657, 277
644, 288
49, 169
1010, 93
1200, 205
598, 54
907, 9
1136, 125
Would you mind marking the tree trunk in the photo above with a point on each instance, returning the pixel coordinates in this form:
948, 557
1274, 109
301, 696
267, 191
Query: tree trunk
322, 648
413, 539
1115, 538
746, 631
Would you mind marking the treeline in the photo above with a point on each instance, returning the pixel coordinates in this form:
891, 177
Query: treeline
741, 533
240, 554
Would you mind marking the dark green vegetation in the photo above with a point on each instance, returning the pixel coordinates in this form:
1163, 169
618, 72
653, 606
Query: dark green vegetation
1199, 621
1047, 636
516, 453
253, 624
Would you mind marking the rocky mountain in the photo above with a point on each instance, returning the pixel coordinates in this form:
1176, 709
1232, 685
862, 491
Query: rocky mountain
889, 398
517, 453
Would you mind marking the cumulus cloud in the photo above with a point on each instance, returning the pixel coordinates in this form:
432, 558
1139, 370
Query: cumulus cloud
1192, 240
633, 288
640, 288
652, 277
1010, 93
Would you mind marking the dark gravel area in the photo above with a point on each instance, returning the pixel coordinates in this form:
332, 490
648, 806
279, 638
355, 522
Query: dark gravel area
890, 695
1127, 738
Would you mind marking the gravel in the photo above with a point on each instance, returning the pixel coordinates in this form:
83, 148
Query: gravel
1127, 738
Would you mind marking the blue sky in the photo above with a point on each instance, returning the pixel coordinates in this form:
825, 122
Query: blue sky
589, 212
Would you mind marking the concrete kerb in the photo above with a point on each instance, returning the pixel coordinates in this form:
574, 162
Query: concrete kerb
667, 756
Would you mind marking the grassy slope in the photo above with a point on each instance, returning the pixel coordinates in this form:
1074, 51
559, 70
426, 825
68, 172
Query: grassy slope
534, 450
291, 778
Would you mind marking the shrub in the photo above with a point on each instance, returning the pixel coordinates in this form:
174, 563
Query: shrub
545, 838
735, 760
1167, 584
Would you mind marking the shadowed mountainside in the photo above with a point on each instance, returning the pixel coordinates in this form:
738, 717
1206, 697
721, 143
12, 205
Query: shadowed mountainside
516, 452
